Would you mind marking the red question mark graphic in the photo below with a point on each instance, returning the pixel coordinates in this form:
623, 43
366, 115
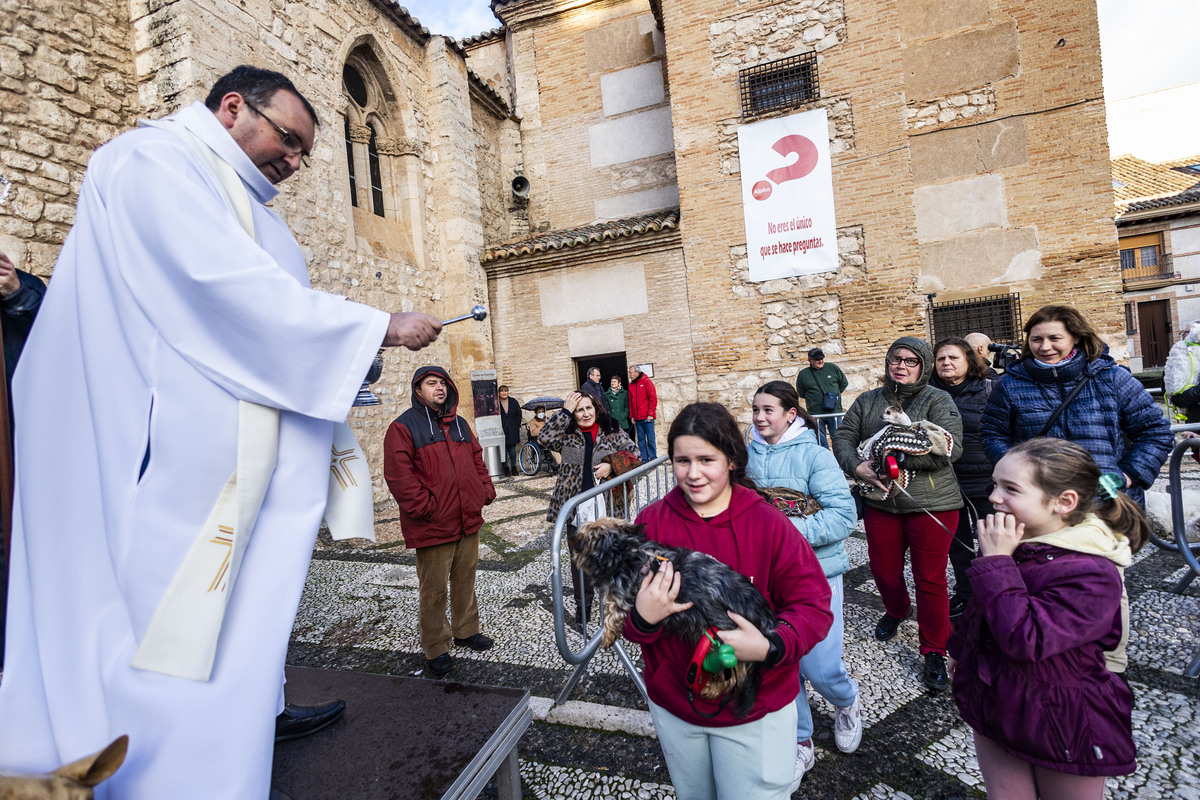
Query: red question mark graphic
806, 158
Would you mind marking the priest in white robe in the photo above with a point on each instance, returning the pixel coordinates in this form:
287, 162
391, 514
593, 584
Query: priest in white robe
165, 311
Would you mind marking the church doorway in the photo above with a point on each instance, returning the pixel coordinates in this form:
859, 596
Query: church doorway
609, 364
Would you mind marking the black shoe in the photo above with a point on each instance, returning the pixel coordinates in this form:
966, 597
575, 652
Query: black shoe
478, 642
886, 628
297, 721
440, 666
958, 604
934, 676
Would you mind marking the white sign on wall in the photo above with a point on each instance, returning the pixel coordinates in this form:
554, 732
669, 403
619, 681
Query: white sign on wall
787, 196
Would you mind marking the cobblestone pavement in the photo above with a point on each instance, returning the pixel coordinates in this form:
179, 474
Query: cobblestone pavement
359, 612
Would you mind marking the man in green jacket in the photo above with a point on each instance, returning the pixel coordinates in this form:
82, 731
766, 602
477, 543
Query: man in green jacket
821, 385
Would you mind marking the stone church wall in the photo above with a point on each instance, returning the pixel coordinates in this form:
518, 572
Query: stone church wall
66, 87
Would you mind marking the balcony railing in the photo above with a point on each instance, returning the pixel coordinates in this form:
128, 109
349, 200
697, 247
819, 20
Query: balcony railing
1164, 270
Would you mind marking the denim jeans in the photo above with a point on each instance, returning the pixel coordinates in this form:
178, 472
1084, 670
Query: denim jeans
824, 669
826, 428
647, 447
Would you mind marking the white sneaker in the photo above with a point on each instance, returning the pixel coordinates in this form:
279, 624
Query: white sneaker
805, 759
847, 726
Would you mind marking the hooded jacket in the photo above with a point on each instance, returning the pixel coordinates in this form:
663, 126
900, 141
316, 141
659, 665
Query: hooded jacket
1032, 649
757, 540
643, 399
1113, 416
434, 468
934, 486
797, 462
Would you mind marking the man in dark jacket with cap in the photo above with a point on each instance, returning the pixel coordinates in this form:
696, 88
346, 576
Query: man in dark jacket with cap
434, 468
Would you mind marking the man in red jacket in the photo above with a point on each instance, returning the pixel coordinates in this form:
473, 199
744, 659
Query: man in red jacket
434, 468
643, 407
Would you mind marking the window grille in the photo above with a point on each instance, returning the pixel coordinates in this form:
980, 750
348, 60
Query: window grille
785, 83
1130, 318
998, 316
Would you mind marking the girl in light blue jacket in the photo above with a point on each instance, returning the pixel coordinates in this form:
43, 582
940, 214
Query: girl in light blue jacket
784, 452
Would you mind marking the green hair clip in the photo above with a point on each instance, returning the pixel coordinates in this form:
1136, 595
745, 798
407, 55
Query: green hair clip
1111, 483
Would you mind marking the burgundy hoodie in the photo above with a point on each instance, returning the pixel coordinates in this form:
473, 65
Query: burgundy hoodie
757, 540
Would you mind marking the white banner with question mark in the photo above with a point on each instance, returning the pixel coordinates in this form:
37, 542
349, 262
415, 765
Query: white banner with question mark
787, 196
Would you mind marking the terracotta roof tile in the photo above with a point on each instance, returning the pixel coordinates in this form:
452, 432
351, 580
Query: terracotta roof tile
585, 235
1140, 184
480, 38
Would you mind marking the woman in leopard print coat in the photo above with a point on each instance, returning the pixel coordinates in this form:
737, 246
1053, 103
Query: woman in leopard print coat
583, 435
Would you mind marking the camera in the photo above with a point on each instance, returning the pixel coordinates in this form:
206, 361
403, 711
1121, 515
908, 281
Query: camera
1006, 354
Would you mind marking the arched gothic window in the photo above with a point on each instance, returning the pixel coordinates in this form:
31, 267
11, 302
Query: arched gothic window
384, 169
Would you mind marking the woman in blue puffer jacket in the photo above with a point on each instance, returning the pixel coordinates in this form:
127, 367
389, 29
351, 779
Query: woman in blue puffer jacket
784, 452
1112, 416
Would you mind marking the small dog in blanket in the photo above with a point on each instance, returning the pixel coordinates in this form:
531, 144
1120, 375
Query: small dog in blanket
898, 437
616, 555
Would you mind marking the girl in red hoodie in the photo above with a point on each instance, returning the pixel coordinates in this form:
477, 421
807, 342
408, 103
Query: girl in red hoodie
711, 754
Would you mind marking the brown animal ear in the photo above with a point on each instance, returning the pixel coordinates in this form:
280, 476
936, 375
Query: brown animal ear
98, 767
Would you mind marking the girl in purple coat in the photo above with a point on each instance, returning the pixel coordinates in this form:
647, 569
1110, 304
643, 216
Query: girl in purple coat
1036, 658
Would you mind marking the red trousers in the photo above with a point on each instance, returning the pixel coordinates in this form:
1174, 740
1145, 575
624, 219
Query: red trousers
888, 537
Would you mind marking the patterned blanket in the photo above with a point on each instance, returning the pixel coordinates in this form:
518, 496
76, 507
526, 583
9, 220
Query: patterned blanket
919, 439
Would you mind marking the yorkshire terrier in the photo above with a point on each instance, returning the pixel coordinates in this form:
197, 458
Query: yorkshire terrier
616, 555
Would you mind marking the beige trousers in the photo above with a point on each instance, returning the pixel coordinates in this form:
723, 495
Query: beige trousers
453, 562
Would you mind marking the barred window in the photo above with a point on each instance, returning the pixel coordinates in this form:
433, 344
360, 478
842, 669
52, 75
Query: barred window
785, 83
998, 316
1130, 318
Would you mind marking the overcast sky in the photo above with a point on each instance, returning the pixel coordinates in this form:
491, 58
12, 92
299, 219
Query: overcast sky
1151, 75
457, 18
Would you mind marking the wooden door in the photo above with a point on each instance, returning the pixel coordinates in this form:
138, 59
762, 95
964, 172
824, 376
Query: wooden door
1155, 332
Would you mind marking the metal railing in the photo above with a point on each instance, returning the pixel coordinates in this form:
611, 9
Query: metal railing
1163, 270
629, 493
1179, 526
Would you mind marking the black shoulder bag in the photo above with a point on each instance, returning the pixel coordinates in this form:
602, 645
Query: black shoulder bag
1063, 407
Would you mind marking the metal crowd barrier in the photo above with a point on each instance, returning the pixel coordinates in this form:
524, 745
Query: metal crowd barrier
1179, 525
631, 492
1177, 517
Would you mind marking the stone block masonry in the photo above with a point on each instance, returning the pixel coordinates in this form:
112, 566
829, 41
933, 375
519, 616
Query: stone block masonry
66, 87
